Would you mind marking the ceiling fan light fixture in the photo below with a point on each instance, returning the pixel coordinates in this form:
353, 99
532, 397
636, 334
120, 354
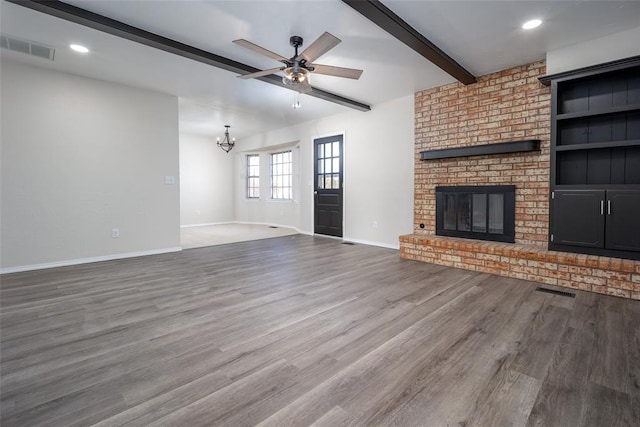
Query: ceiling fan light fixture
297, 78
294, 75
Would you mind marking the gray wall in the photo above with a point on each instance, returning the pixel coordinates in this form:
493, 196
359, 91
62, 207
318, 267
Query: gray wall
80, 157
605, 49
206, 184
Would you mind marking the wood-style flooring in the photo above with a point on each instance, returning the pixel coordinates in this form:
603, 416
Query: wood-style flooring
298, 331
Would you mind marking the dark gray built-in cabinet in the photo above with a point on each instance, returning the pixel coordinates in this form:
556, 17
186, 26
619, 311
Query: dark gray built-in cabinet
595, 160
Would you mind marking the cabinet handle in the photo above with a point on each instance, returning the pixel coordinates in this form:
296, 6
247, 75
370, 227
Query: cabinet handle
601, 207
608, 207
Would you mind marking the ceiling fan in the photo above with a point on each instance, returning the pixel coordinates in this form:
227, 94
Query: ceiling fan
297, 68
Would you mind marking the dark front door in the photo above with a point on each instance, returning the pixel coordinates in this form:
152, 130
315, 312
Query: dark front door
328, 186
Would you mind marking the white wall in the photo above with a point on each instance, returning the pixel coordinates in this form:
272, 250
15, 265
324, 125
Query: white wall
593, 52
263, 210
206, 184
80, 157
378, 177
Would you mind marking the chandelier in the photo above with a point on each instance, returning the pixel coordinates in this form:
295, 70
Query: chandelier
226, 144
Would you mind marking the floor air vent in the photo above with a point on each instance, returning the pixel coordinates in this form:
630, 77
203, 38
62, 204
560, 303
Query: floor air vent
272, 226
348, 243
556, 292
28, 47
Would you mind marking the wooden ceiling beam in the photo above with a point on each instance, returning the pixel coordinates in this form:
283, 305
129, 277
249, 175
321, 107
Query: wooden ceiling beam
383, 17
120, 29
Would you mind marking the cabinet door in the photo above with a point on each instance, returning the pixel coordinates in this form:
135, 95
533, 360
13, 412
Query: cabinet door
578, 218
623, 220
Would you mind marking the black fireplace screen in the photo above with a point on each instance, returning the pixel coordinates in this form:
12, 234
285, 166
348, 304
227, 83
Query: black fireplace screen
476, 212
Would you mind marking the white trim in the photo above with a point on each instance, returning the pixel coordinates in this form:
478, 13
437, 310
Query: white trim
371, 243
326, 236
204, 224
87, 260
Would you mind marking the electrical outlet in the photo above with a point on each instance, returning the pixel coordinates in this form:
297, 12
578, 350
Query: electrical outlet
115, 233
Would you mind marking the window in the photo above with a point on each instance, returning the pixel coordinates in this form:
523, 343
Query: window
328, 169
253, 176
281, 176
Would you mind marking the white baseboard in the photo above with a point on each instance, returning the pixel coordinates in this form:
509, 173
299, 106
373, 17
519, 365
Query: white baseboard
87, 260
371, 243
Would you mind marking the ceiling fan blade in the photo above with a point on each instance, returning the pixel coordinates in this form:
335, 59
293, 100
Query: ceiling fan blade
322, 45
330, 70
262, 51
261, 73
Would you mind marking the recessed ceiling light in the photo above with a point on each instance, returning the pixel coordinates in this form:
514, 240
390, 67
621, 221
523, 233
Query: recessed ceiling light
531, 24
79, 48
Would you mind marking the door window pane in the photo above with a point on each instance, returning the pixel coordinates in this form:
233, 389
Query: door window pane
336, 149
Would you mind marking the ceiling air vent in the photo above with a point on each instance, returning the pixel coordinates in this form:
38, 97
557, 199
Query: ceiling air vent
26, 46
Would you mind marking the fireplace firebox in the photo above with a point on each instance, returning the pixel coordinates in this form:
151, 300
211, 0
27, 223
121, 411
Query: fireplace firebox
476, 212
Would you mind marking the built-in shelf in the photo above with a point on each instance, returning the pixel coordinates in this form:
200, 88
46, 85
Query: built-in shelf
483, 150
600, 112
595, 160
593, 145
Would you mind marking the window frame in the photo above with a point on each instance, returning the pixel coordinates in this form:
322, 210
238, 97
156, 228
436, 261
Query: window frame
275, 173
250, 177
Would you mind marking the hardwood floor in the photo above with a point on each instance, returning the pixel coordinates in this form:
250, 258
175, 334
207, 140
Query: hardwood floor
303, 331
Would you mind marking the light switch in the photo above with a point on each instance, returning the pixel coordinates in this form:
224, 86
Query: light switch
169, 180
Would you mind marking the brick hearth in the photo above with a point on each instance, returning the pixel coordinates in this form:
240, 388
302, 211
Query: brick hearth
612, 276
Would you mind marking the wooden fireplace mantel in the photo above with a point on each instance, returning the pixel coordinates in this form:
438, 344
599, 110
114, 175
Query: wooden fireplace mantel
483, 150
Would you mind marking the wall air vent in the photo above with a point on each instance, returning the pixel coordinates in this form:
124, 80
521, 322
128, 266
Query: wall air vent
26, 46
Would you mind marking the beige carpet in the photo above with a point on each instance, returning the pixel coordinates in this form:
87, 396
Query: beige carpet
210, 235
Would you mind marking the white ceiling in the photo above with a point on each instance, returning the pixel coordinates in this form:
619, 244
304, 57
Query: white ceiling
483, 36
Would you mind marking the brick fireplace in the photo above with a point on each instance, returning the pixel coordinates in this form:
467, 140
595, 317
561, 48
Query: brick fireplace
508, 105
